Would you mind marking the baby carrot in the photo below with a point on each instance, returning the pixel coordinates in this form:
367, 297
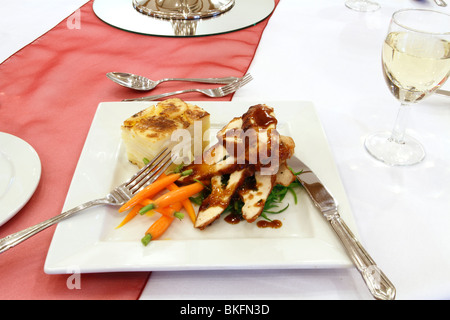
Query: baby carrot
157, 229
170, 210
171, 197
150, 190
187, 204
133, 212
161, 225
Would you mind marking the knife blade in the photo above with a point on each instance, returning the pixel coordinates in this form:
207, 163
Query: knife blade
440, 3
378, 284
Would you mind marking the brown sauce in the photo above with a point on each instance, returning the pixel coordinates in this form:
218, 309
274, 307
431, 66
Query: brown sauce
233, 218
274, 224
263, 118
258, 117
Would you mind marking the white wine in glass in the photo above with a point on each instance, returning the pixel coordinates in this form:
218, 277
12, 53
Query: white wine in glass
416, 62
362, 5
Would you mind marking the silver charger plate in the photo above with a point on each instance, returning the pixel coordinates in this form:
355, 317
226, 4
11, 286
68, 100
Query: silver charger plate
122, 15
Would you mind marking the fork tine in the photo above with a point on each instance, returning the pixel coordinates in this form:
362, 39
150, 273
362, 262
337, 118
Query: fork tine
227, 91
159, 172
238, 84
146, 171
232, 87
248, 76
153, 172
245, 82
246, 79
145, 168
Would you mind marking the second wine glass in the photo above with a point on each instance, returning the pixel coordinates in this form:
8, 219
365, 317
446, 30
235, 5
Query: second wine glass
362, 5
416, 62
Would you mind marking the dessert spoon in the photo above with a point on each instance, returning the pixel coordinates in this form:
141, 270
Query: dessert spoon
141, 83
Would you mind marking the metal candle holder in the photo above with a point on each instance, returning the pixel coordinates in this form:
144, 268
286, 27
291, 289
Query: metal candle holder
183, 9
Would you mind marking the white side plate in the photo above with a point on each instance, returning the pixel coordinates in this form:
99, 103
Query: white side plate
20, 172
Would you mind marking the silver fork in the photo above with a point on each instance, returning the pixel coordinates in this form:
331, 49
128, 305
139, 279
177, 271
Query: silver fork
117, 197
213, 93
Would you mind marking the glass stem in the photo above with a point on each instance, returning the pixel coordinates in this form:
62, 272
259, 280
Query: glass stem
398, 134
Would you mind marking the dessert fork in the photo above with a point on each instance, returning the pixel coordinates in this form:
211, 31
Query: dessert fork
213, 93
117, 197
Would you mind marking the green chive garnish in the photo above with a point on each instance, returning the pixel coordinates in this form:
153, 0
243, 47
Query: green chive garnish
146, 240
179, 215
147, 208
187, 172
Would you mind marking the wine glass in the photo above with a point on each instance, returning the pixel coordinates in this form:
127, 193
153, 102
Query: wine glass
416, 62
362, 5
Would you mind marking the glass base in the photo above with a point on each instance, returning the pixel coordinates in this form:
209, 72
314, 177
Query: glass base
383, 148
362, 5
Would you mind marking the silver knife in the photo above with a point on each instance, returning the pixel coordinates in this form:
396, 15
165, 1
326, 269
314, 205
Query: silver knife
377, 282
440, 3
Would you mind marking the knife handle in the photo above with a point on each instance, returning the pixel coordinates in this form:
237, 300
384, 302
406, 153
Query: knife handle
377, 282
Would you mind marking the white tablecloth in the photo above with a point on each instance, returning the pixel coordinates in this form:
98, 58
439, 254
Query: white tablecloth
322, 52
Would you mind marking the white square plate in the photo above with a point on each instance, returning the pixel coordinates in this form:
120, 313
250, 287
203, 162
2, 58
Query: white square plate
89, 242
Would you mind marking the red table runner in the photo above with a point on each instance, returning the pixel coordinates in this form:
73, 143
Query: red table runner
49, 92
